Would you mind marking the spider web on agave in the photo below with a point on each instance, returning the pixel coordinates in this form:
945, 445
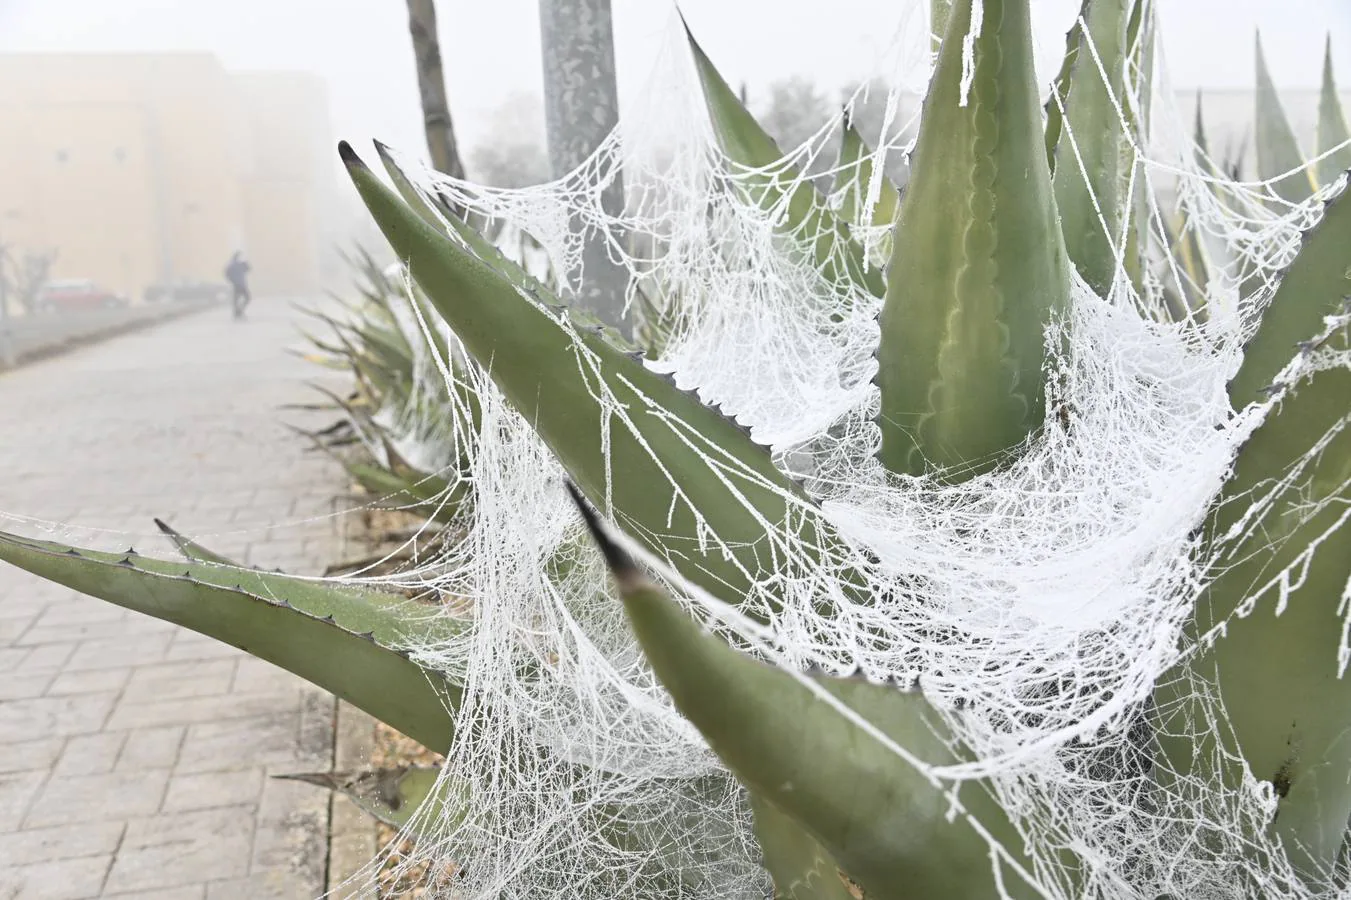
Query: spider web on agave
1031, 559
1004, 511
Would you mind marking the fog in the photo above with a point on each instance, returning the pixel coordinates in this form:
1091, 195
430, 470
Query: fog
491, 50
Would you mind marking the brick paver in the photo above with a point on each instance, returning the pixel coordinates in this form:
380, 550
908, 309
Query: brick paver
134, 755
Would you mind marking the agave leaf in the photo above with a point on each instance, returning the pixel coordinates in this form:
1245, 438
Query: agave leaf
1141, 38
939, 10
674, 439
1332, 130
1199, 136
978, 267
1277, 149
1311, 288
1060, 88
193, 550
1185, 247
854, 174
443, 222
834, 253
351, 642
395, 796
800, 867
884, 822
430, 495
1288, 709
1289, 712
389, 346
1088, 178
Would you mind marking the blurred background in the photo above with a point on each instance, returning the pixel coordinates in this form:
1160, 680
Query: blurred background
146, 140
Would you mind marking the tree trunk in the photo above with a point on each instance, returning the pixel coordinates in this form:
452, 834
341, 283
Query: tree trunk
581, 108
432, 86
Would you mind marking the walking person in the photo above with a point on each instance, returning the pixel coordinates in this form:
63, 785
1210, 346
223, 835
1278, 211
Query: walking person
237, 273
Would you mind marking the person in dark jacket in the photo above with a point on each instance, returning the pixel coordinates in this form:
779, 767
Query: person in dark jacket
237, 273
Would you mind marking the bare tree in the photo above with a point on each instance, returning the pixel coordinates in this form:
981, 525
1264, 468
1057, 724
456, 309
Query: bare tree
432, 86
34, 274
24, 277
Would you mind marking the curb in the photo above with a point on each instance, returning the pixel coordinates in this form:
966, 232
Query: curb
75, 342
351, 832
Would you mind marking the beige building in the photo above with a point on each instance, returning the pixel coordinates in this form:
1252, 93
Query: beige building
150, 169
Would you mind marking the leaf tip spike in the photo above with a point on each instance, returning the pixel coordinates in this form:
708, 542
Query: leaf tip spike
349, 156
625, 570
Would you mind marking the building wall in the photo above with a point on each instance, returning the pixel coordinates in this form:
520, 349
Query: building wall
143, 169
289, 179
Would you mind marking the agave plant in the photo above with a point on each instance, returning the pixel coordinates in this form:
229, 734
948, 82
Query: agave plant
1291, 175
1012, 222
1279, 157
410, 392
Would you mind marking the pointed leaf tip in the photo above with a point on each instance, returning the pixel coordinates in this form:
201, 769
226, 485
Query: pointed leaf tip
349, 156
620, 563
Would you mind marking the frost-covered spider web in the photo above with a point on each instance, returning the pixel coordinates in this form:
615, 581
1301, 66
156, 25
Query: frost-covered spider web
1038, 605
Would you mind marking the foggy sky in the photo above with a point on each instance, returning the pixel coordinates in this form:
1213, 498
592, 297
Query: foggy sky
491, 50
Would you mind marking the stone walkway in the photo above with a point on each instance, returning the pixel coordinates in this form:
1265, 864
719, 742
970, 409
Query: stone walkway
134, 755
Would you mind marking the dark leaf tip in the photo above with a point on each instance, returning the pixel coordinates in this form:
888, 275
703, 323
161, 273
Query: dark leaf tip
349, 156
621, 564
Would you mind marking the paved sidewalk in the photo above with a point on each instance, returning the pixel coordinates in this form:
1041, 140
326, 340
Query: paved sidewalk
134, 754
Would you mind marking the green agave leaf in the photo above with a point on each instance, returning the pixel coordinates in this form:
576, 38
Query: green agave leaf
854, 174
193, 550
885, 823
443, 222
978, 267
1289, 712
1312, 288
675, 439
1060, 88
939, 10
800, 867
1185, 247
1332, 129
351, 642
437, 217
833, 252
1141, 38
1277, 150
395, 795
1088, 170
388, 346
428, 495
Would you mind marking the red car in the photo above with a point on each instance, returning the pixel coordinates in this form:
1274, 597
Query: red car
80, 293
